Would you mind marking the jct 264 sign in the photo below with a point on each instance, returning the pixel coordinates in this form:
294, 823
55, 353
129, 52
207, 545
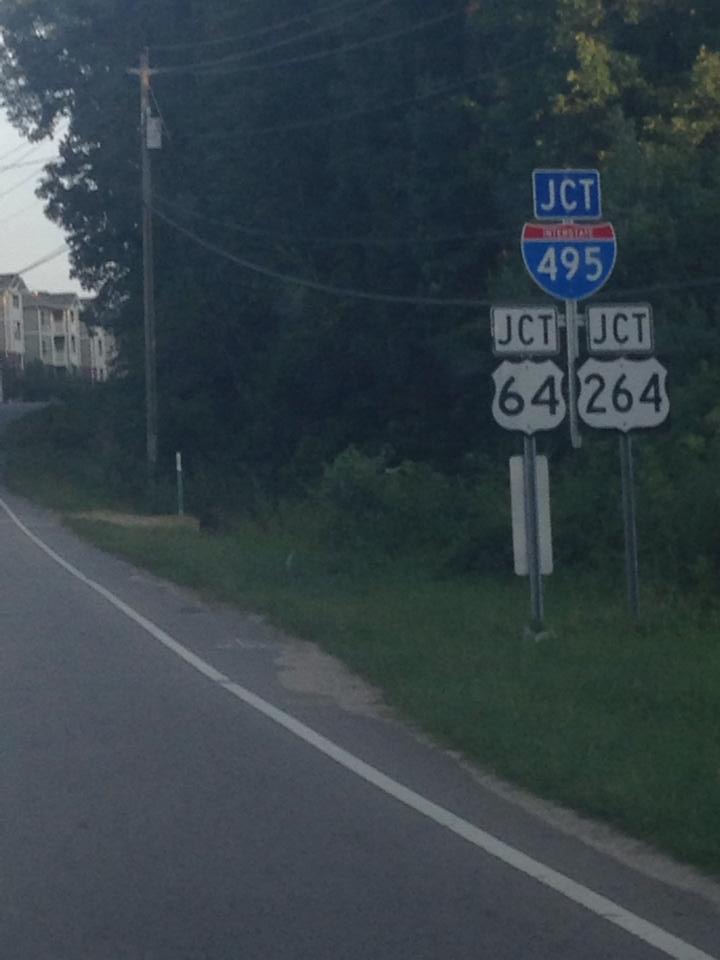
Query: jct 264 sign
623, 394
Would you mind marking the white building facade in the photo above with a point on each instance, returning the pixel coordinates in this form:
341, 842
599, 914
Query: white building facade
12, 326
52, 330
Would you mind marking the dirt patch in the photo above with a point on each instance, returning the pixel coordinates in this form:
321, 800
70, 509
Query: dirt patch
303, 668
164, 521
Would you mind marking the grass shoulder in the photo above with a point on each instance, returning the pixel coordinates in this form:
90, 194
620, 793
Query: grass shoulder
617, 721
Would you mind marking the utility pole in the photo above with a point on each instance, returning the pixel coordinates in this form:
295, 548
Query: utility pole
148, 279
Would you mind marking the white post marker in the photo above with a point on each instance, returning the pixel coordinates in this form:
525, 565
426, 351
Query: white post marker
180, 491
518, 494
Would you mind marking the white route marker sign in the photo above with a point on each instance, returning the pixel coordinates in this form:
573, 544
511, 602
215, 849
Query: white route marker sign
619, 329
524, 331
528, 396
623, 394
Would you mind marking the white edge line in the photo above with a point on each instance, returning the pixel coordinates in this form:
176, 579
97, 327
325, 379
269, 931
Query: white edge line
601, 906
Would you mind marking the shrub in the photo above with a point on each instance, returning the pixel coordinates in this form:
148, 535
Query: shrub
363, 503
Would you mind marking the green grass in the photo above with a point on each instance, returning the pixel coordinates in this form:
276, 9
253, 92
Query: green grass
617, 721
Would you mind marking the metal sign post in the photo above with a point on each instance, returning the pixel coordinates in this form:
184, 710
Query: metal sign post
632, 569
571, 341
570, 254
623, 394
569, 260
528, 399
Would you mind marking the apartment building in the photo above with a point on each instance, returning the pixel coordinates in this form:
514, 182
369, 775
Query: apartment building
97, 352
52, 330
12, 332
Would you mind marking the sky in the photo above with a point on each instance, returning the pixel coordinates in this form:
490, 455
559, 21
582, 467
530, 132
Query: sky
26, 235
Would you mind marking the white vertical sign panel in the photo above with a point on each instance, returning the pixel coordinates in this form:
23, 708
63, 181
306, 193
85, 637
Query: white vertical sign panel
519, 528
154, 133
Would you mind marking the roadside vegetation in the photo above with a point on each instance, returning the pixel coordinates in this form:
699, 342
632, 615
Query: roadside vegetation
405, 574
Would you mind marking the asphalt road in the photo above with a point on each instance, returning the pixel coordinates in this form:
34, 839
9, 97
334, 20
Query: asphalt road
179, 782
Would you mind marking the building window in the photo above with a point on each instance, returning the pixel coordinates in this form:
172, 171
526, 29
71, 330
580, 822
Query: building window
100, 347
18, 330
16, 301
72, 345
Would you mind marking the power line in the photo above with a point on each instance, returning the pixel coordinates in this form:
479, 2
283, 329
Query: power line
314, 285
381, 106
238, 57
214, 68
366, 241
23, 156
259, 32
27, 163
53, 255
20, 183
699, 283
17, 213
331, 118
9, 153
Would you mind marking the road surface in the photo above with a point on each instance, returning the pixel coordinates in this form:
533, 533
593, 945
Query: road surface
180, 782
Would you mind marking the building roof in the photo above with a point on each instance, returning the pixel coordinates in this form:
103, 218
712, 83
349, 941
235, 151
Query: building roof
57, 301
11, 281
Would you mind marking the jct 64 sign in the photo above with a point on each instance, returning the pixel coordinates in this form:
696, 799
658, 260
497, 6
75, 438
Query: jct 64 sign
528, 396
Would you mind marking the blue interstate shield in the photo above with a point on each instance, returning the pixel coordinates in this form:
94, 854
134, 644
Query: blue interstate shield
570, 261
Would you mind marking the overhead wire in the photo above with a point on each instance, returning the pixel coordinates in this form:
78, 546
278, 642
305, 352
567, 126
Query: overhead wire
9, 153
366, 241
250, 34
53, 255
27, 163
453, 86
379, 107
18, 213
460, 302
700, 283
28, 153
297, 38
291, 280
193, 44
220, 67
20, 183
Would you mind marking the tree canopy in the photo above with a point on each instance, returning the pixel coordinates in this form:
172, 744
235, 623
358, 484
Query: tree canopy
341, 191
